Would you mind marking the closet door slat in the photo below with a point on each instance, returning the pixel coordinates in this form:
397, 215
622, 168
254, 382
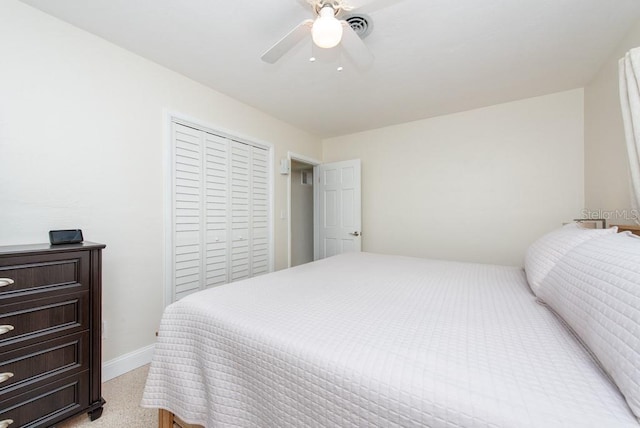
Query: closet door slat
187, 210
216, 211
240, 211
259, 212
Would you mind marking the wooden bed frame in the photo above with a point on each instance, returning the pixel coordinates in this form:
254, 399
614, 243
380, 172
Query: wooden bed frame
166, 419
628, 228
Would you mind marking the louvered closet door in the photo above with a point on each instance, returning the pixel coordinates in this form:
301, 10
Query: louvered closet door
216, 197
187, 202
259, 211
221, 210
240, 211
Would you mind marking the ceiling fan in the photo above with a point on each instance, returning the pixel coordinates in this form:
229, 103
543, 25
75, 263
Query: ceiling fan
327, 32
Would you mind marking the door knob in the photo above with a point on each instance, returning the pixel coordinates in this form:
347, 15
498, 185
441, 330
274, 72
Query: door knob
356, 233
5, 376
6, 423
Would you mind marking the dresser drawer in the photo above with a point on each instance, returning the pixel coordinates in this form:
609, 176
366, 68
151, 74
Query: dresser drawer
34, 321
44, 406
26, 275
34, 365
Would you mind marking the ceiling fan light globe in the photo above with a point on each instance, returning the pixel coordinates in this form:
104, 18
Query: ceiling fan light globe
327, 30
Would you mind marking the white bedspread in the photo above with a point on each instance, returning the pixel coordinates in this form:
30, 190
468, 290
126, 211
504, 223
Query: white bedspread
369, 340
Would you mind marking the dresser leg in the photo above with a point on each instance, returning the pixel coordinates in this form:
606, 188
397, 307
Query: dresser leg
95, 414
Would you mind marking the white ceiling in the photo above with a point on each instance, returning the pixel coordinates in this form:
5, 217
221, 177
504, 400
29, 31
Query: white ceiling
432, 57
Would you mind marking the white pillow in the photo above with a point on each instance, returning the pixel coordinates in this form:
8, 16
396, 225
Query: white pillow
544, 253
595, 289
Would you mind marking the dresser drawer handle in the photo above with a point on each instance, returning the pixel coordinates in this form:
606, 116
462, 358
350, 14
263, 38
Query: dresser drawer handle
5, 376
3, 283
5, 329
6, 423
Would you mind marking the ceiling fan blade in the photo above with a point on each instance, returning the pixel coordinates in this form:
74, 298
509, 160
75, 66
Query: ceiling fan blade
295, 36
306, 3
368, 5
355, 48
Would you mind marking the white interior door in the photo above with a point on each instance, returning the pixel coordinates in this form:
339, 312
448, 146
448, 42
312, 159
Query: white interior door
339, 208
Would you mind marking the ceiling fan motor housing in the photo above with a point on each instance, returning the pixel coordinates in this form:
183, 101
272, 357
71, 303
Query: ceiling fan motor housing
336, 5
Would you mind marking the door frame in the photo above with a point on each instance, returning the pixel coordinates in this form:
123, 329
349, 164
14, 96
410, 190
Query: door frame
314, 162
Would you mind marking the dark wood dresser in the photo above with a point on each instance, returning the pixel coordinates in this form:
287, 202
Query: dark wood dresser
50, 333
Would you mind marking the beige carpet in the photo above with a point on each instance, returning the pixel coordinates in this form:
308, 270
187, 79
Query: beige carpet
123, 395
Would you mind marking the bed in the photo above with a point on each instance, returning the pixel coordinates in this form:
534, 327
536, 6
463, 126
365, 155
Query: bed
373, 340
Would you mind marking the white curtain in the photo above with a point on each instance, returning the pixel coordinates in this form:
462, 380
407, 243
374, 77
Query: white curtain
630, 102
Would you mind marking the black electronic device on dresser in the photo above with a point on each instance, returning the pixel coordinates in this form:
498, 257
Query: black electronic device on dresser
50, 333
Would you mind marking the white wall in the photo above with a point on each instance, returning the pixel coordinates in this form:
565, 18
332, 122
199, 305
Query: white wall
474, 186
607, 182
81, 145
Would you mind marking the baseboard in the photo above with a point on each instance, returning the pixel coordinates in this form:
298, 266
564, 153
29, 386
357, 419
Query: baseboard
127, 362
